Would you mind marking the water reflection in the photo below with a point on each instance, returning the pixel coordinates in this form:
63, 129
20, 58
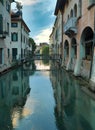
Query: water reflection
45, 62
40, 65
14, 88
74, 109
69, 109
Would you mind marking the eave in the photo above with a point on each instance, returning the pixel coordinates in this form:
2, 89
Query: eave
59, 6
22, 21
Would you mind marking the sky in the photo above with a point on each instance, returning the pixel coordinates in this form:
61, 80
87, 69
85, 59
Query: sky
39, 17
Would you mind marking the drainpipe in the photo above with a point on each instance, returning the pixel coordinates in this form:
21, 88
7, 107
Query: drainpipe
62, 39
92, 49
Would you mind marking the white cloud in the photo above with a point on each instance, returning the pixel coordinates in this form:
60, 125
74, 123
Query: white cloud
50, 3
28, 2
43, 36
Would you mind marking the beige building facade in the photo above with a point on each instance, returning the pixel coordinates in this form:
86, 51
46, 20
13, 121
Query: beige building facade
78, 24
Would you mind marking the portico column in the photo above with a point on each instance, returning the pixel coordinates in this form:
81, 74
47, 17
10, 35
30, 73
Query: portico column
93, 61
80, 54
69, 61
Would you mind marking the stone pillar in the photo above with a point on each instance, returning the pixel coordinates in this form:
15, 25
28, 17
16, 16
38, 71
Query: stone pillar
77, 67
93, 68
80, 55
68, 67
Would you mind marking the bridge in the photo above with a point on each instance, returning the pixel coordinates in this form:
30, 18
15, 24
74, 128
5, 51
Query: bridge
46, 57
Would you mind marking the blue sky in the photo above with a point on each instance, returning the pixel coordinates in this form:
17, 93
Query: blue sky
39, 16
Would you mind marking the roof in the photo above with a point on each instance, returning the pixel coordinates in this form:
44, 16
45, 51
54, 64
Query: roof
18, 17
59, 6
11, 0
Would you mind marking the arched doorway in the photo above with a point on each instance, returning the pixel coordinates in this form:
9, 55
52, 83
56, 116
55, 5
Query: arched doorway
73, 53
66, 52
86, 52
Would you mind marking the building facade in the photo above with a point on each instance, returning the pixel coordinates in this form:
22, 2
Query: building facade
5, 41
78, 51
19, 36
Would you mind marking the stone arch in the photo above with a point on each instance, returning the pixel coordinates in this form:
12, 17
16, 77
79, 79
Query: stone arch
87, 43
86, 51
66, 51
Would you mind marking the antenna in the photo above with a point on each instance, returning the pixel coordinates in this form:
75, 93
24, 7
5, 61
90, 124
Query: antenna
18, 5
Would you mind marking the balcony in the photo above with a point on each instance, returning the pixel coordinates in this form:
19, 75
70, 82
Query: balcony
3, 34
91, 3
70, 27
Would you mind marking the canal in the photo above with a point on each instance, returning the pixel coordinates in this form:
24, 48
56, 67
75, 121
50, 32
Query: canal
42, 97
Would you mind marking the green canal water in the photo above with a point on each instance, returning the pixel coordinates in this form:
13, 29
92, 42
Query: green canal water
41, 97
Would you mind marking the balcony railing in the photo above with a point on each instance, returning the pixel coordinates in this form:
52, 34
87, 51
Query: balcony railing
91, 3
70, 27
3, 34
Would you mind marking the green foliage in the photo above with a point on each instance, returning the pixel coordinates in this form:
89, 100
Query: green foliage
33, 44
45, 50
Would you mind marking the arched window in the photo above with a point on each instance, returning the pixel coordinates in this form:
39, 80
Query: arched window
80, 8
75, 10
68, 17
71, 13
87, 40
66, 47
74, 45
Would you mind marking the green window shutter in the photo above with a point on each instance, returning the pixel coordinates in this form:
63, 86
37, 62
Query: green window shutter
1, 1
1, 24
14, 37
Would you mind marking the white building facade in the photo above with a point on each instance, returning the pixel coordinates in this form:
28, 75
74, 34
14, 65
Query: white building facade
19, 37
5, 40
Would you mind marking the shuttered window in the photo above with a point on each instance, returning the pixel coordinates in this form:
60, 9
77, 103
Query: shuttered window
14, 37
1, 1
1, 24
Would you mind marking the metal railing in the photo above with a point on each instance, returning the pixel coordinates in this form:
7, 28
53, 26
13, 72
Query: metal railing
71, 25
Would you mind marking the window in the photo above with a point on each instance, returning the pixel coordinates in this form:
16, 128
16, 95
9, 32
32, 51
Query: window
1, 1
88, 51
68, 17
14, 37
75, 10
7, 6
1, 54
1, 24
71, 13
80, 8
8, 53
24, 39
14, 53
14, 25
24, 52
8, 28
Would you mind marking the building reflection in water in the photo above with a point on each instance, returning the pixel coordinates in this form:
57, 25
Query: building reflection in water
74, 109
14, 88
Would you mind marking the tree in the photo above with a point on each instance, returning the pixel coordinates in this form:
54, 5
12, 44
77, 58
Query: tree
33, 44
45, 50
